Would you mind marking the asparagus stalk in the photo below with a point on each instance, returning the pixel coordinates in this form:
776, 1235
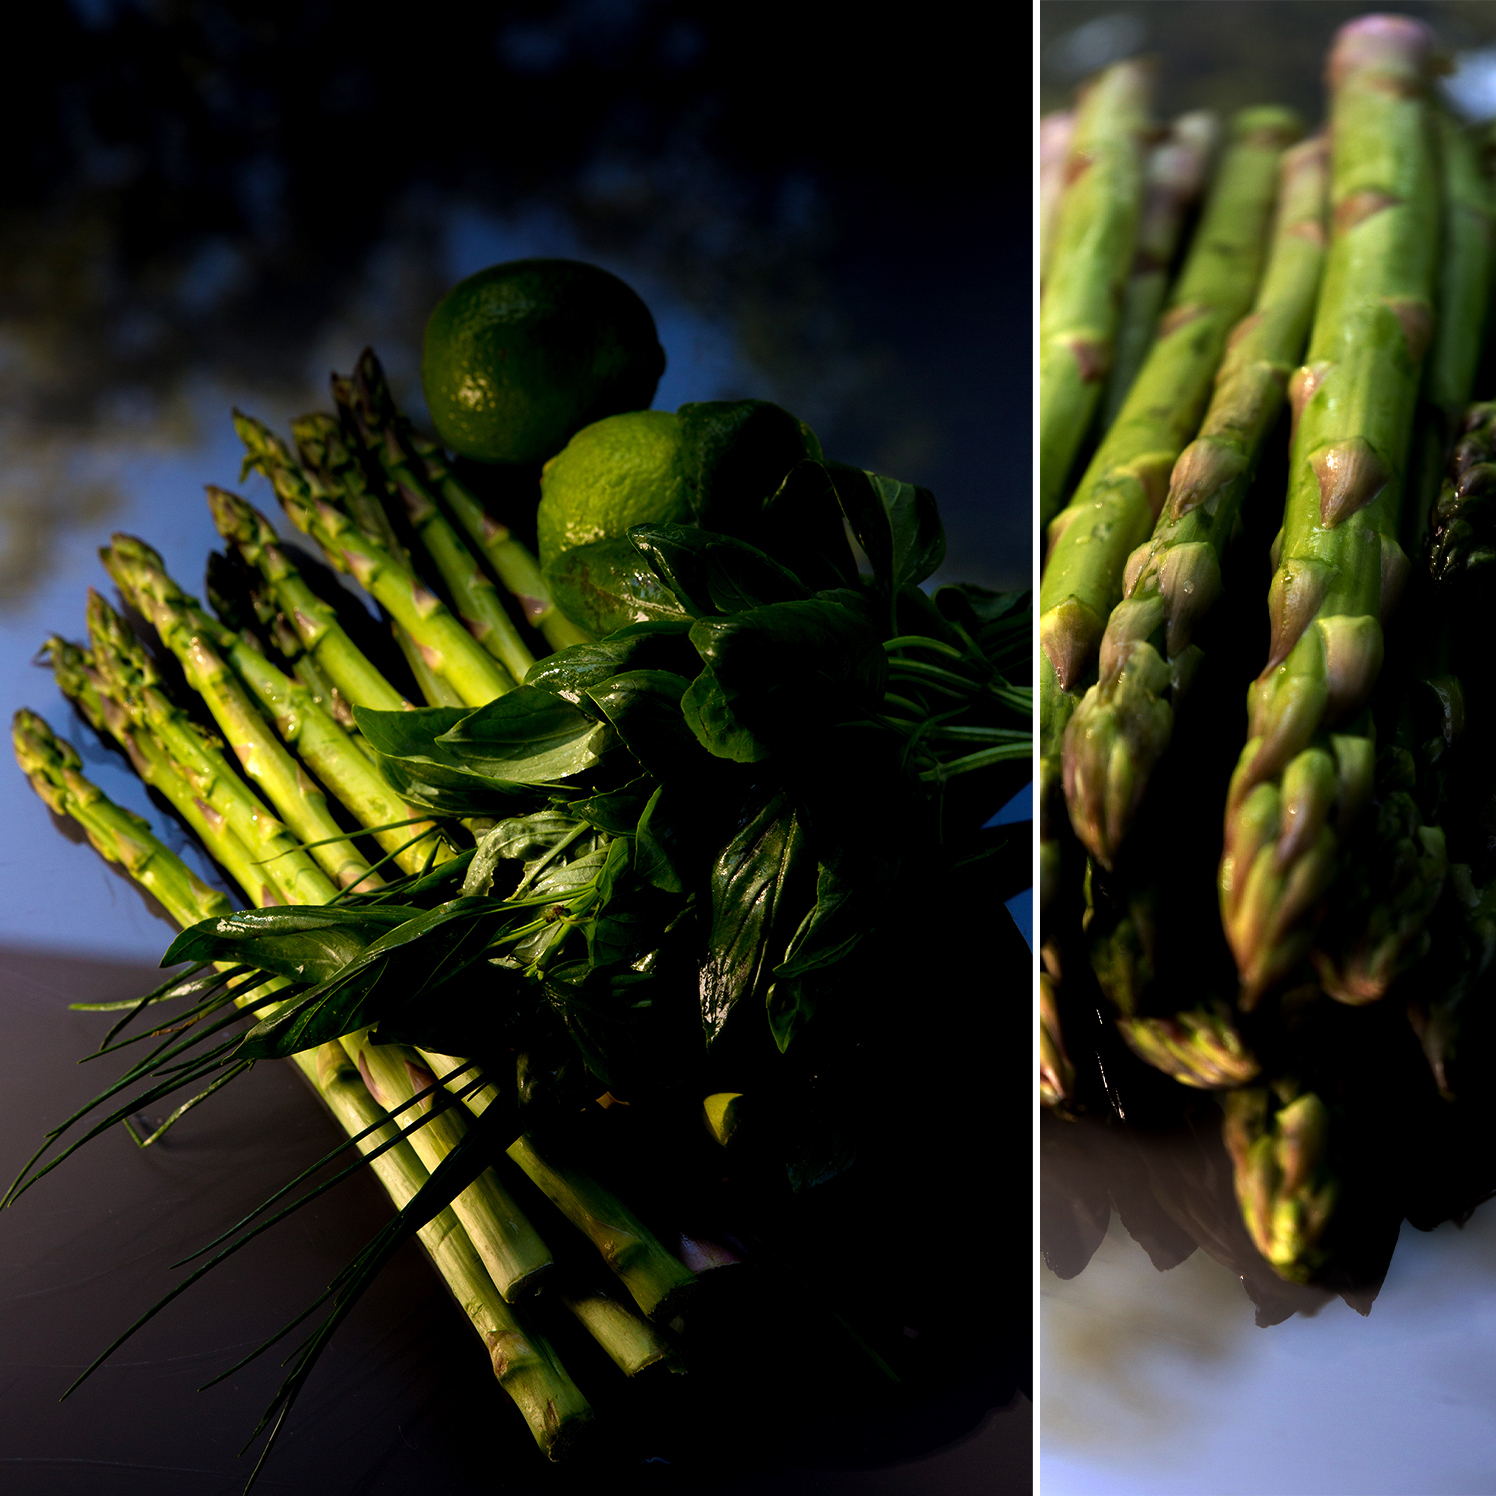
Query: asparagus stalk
1055, 133
525, 1364
316, 624
448, 648
425, 468
326, 749
118, 835
128, 677
1462, 298
1340, 566
82, 683
1124, 723
245, 605
658, 1283
301, 802
1283, 1184
366, 404
1096, 224
516, 1258
1174, 178
1124, 487
1056, 1073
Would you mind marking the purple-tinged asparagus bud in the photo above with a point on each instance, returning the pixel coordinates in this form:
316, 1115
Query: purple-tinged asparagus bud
1298, 588
1302, 385
1189, 581
1200, 1048
1416, 318
1285, 715
1309, 791
1069, 634
1205, 469
1396, 569
1131, 622
1353, 660
1351, 474
1355, 774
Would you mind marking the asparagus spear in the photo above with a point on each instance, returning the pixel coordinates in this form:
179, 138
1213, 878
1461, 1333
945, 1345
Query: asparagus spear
1283, 1183
1174, 177
326, 749
1055, 132
525, 1365
1340, 565
1096, 224
1201, 1048
128, 677
1124, 486
1463, 288
301, 802
366, 405
658, 1283
1125, 721
316, 624
83, 684
118, 835
511, 1249
447, 647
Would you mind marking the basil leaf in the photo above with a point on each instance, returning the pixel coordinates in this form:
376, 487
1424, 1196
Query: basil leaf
896, 524
606, 585
803, 525
739, 452
644, 708
641, 646
751, 880
711, 573
309, 944
710, 717
527, 736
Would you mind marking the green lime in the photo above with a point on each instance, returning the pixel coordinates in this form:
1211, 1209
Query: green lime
521, 355
633, 469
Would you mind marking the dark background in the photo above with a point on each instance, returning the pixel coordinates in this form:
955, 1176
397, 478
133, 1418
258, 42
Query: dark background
211, 203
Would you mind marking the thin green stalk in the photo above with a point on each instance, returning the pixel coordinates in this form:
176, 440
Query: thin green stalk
131, 680
448, 648
511, 1249
316, 624
301, 803
313, 732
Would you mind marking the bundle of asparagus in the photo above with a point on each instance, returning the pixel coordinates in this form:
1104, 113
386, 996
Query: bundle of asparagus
1320, 964
488, 928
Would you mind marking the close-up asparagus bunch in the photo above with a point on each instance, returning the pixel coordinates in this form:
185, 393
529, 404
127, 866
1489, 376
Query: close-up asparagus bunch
1270, 934
590, 900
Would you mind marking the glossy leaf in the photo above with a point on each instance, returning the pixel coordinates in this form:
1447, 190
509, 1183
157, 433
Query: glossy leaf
527, 736
423, 769
739, 452
607, 586
657, 846
643, 706
803, 526
896, 524
750, 881
712, 574
307, 944
642, 646
778, 671
385, 980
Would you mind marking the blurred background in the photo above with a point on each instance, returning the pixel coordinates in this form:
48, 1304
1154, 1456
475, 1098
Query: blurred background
216, 203
1160, 1383
210, 203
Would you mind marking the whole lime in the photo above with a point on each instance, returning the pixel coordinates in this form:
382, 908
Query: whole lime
631, 469
521, 355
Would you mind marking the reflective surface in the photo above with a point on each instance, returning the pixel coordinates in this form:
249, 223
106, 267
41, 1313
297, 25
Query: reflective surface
1173, 1359
214, 205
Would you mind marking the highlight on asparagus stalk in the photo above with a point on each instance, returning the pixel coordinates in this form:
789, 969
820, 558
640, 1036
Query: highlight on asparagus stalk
1125, 484
1124, 723
1174, 177
1055, 131
1300, 783
1095, 230
444, 644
